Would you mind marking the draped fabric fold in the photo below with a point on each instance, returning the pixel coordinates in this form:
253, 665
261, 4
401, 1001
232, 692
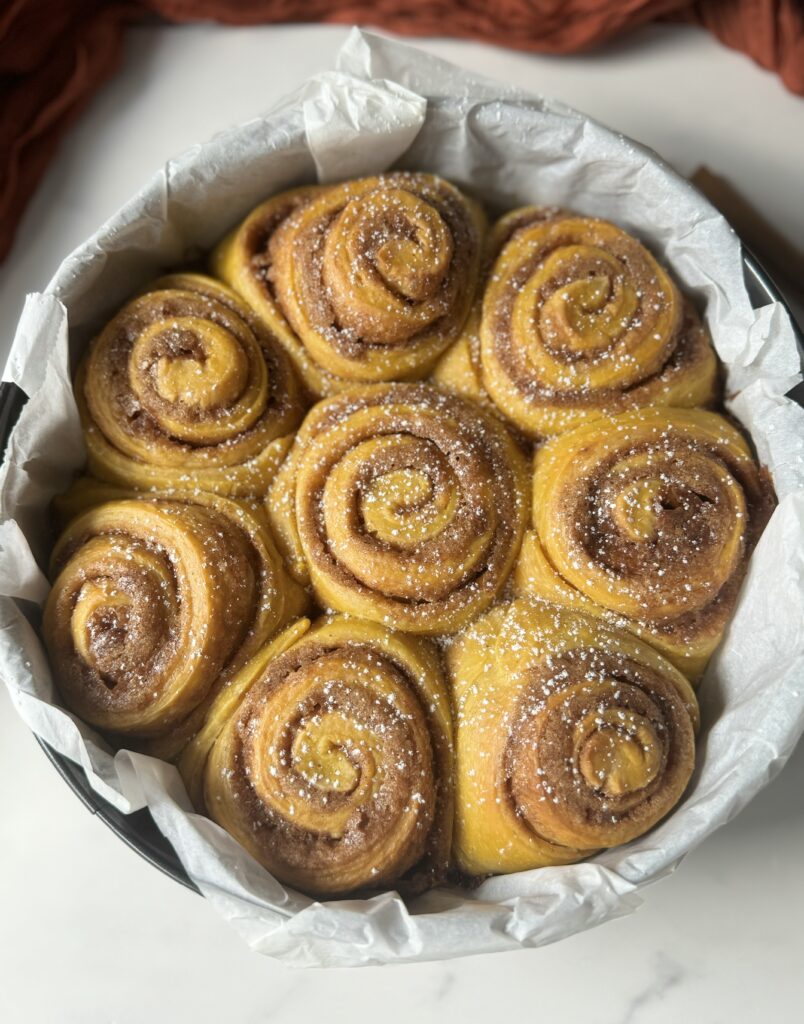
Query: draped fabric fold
54, 54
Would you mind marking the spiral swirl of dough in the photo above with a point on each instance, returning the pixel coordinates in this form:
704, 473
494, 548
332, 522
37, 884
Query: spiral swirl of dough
404, 504
579, 319
156, 603
377, 276
184, 388
570, 736
335, 769
648, 517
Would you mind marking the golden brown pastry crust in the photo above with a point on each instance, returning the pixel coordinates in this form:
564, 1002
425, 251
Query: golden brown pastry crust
579, 319
335, 771
460, 368
376, 276
156, 603
649, 519
405, 505
184, 388
570, 736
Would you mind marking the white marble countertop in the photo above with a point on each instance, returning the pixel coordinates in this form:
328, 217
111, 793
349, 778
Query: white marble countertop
92, 934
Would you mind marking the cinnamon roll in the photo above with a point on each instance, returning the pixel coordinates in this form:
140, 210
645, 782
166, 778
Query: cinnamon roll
375, 276
155, 604
648, 518
570, 737
579, 319
404, 504
335, 769
184, 388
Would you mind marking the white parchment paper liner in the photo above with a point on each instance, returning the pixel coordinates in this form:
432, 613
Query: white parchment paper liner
388, 104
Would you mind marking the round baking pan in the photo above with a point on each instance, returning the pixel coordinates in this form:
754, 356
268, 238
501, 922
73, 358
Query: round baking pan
138, 830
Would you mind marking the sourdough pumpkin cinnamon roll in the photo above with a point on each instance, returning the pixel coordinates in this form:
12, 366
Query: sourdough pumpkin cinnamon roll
579, 319
404, 504
335, 770
375, 276
155, 604
649, 518
570, 737
184, 388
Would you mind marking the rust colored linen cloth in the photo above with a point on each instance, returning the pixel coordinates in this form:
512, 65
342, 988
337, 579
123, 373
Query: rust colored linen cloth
55, 53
